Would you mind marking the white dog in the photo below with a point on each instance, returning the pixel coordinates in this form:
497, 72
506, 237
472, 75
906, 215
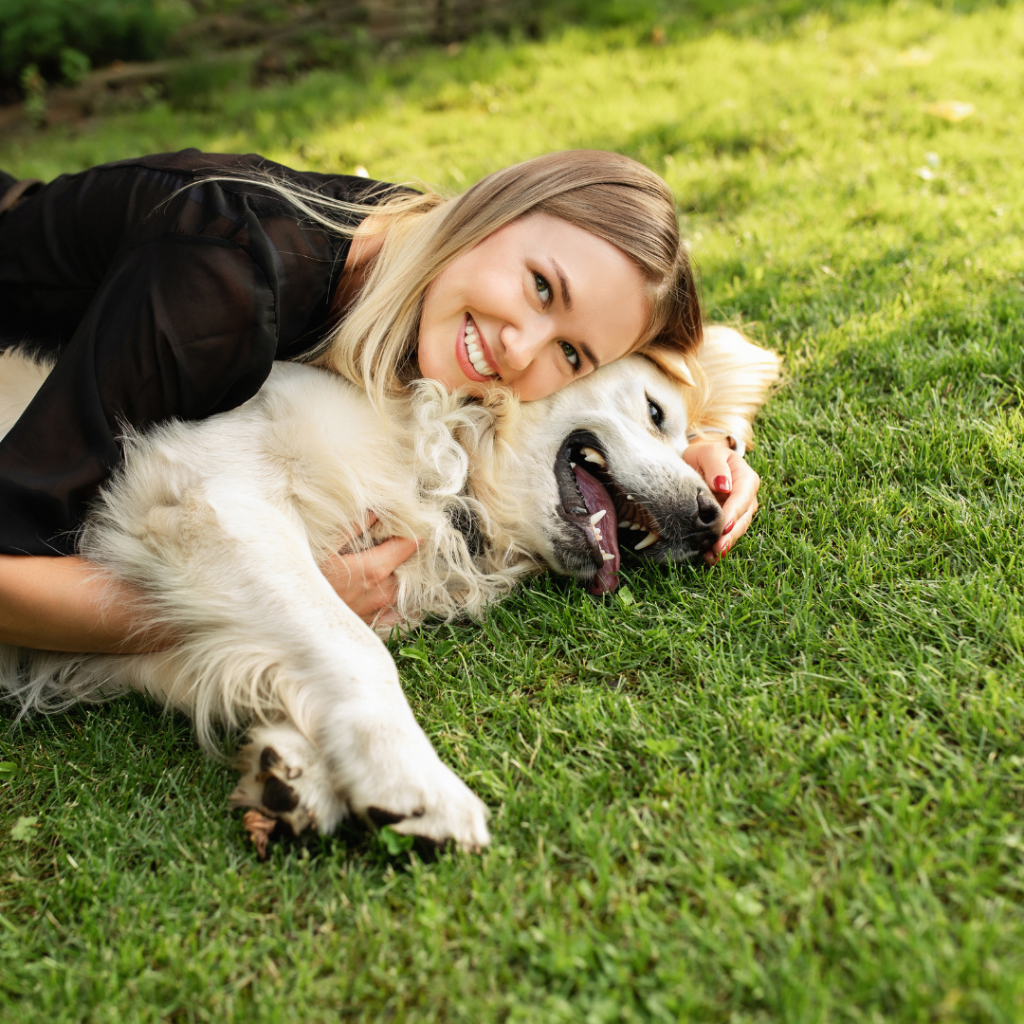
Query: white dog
223, 524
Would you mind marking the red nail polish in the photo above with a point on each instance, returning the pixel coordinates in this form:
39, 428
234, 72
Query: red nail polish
728, 528
722, 484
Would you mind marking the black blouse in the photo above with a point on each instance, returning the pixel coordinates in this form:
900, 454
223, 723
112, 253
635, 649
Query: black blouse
155, 305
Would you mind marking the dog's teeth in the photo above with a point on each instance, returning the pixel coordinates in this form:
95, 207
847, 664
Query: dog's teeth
598, 534
606, 556
597, 517
629, 497
572, 465
651, 538
634, 526
624, 525
592, 456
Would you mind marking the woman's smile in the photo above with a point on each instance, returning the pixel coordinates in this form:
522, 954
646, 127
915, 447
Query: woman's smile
474, 354
535, 304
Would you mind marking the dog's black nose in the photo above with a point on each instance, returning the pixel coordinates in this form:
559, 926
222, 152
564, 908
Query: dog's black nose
707, 508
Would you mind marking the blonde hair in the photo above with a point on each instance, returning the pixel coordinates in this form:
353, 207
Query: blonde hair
611, 196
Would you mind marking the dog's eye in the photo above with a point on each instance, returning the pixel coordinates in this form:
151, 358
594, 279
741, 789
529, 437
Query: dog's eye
657, 413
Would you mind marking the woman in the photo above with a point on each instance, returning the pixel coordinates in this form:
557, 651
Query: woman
166, 286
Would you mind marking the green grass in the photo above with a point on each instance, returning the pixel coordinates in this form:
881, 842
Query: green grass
787, 789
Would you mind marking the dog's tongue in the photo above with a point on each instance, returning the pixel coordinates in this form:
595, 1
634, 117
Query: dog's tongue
597, 498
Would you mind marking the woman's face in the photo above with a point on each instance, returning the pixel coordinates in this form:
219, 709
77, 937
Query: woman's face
534, 305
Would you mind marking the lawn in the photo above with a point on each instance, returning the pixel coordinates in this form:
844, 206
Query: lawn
790, 788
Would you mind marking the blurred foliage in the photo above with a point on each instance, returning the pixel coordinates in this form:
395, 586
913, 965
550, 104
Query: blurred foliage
42, 32
64, 38
61, 40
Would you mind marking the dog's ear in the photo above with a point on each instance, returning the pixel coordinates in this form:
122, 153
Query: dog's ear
737, 376
671, 363
738, 371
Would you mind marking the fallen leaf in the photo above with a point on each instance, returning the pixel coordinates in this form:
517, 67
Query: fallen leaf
22, 831
259, 827
415, 652
394, 842
951, 110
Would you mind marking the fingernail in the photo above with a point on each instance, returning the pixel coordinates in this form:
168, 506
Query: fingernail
728, 528
722, 484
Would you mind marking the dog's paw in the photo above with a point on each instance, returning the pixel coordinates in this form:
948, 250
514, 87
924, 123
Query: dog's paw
409, 788
283, 778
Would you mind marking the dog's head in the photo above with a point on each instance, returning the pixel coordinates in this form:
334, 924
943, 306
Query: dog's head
597, 475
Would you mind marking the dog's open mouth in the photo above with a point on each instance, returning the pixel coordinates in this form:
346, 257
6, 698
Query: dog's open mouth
609, 518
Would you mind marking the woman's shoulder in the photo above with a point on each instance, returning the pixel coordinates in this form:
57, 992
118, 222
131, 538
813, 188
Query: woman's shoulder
250, 169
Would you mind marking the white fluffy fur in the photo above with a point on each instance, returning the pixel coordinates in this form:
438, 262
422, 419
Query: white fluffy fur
223, 524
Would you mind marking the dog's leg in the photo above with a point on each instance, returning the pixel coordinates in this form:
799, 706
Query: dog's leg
265, 634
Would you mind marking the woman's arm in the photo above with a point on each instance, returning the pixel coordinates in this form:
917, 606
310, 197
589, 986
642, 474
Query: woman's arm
70, 604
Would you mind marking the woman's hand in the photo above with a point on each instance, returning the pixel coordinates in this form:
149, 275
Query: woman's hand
734, 484
366, 580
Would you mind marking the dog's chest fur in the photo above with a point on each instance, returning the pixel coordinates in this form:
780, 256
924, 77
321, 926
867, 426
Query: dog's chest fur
312, 446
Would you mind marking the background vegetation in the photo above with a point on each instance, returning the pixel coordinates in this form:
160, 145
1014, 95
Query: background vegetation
787, 789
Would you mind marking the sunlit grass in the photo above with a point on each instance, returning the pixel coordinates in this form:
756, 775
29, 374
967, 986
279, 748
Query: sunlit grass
788, 789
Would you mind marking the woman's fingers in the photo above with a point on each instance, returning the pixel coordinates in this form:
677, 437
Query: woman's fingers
711, 460
739, 507
366, 580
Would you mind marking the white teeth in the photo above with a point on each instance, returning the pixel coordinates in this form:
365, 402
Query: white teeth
629, 497
572, 465
624, 525
480, 365
597, 517
606, 556
634, 526
598, 534
592, 456
650, 539
475, 353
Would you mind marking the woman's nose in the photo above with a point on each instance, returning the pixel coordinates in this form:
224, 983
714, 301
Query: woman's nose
523, 343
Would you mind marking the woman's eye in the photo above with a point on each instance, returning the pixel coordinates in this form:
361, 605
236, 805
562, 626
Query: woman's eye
571, 354
543, 288
657, 413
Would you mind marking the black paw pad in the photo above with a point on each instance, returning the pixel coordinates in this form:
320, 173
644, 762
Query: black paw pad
279, 796
380, 817
269, 758
428, 849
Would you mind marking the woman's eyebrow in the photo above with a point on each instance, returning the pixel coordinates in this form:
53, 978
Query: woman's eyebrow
563, 285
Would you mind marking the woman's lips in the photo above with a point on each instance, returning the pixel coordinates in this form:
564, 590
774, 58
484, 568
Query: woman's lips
470, 336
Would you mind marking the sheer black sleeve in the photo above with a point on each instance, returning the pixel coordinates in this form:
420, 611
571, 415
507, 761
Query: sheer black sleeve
181, 328
159, 295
